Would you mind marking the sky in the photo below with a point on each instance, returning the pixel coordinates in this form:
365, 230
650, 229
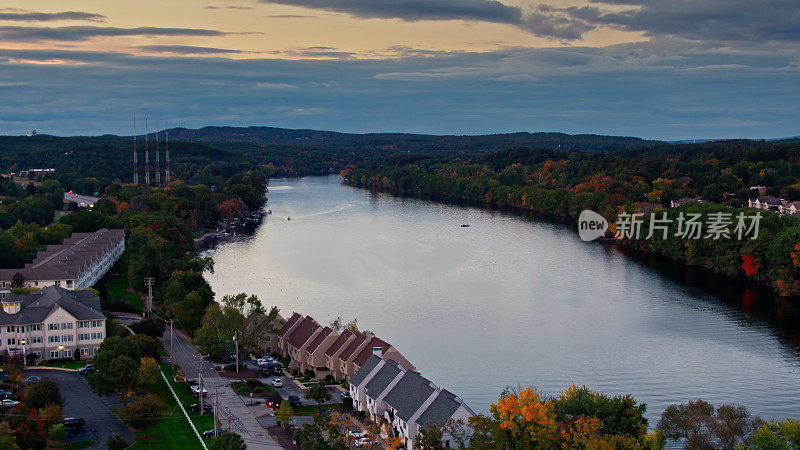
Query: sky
661, 69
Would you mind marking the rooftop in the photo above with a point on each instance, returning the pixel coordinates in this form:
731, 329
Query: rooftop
35, 307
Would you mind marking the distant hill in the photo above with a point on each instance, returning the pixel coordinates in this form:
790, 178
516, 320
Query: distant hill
418, 143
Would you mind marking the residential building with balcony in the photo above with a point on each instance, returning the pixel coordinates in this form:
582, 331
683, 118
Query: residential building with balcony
52, 323
77, 263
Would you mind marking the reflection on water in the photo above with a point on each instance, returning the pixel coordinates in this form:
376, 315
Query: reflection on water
514, 300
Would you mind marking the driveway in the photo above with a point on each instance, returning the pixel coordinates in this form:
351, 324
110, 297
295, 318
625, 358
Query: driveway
80, 401
291, 388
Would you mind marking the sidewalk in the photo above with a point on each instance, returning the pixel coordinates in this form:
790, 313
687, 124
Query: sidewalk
232, 410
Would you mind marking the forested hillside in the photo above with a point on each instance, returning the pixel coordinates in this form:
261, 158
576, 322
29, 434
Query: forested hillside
640, 180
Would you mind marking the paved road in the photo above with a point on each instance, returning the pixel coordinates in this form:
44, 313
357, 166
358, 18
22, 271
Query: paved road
231, 408
291, 388
80, 401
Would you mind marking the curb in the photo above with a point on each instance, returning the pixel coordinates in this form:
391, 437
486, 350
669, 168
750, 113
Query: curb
63, 369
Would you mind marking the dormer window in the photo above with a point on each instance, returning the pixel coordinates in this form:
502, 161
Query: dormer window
11, 307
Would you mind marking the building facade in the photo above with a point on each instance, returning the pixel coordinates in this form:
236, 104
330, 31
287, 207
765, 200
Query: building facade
77, 263
52, 323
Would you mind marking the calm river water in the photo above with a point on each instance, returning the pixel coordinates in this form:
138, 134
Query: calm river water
514, 301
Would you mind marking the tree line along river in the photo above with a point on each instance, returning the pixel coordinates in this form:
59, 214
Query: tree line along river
515, 301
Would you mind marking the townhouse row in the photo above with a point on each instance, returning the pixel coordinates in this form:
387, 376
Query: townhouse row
403, 400
311, 346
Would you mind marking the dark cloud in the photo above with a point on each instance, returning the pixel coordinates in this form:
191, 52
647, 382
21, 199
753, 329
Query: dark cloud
649, 89
82, 33
551, 26
731, 21
290, 16
18, 15
186, 49
229, 7
316, 52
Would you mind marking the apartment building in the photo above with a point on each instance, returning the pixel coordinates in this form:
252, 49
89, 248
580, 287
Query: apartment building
402, 400
51, 323
77, 263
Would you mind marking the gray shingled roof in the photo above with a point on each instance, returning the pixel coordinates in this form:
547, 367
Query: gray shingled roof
409, 394
365, 369
440, 410
381, 380
35, 307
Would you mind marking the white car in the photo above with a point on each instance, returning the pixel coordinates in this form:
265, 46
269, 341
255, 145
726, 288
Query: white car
8, 403
277, 382
196, 390
265, 361
365, 442
357, 434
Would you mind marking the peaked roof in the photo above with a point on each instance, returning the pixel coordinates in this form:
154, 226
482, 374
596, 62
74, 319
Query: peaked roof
338, 343
288, 325
441, 409
321, 336
35, 307
381, 380
365, 369
409, 394
366, 352
302, 332
352, 347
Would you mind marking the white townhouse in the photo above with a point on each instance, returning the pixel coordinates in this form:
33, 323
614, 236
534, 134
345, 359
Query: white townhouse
403, 399
51, 323
77, 263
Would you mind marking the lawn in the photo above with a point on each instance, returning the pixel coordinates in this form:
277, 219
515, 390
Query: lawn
117, 291
202, 423
65, 364
172, 431
308, 410
81, 444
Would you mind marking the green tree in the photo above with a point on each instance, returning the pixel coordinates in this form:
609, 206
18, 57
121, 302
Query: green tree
228, 441
38, 395
149, 372
317, 393
776, 435
58, 432
116, 442
429, 437
143, 413
284, 413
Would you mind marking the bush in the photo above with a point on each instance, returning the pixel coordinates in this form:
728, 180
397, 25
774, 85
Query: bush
149, 327
309, 374
58, 432
38, 395
329, 379
143, 413
116, 442
228, 441
253, 383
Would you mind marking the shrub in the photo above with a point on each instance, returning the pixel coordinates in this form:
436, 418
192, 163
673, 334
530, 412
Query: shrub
253, 383
116, 442
38, 395
58, 432
143, 413
329, 379
228, 441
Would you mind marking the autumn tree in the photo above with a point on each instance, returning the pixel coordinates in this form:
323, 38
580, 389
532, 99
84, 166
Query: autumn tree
784, 434
429, 437
148, 372
39, 395
145, 412
318, 393
699, 425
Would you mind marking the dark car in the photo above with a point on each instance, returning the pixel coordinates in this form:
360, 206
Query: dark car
345, 394
207, 407
189, 384
86, 370
273, 401
74, 423
212, 433
294, 400
7, 396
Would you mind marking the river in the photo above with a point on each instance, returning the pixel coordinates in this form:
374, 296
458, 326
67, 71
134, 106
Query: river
514, 301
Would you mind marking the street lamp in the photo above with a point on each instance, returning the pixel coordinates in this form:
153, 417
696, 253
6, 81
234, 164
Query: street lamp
24, 353
60, 350
236, 341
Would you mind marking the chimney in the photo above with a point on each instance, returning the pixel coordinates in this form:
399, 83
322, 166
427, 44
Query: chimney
378, 351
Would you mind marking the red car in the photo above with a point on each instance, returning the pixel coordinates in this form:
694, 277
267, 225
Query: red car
274, 401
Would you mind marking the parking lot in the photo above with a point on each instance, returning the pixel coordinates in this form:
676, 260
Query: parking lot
290, 388
80, 401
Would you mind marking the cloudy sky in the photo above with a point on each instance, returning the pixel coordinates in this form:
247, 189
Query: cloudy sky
666, 69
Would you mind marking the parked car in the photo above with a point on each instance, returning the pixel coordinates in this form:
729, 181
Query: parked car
265, 361
7, 396
207, 407
365, 442
32, 379
358, 434
273, 401
212, 433
345, 394
196, 390
86, 370
294, 400
277, 382
8, 403
189, 384
74, 423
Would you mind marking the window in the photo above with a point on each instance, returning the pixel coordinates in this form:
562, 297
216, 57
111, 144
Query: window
84, 352
52, 326
37, 327
36, 340
67, 353
52, 339
94, 350
10, 329
83, 336
66, 326
35, 283
54, 354
97, 335
12, 341
38, 355
58, 283
66, 338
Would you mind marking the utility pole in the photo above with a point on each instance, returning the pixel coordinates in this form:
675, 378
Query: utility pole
200, 386
149, 282
236, 341
216, 405
171, 353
